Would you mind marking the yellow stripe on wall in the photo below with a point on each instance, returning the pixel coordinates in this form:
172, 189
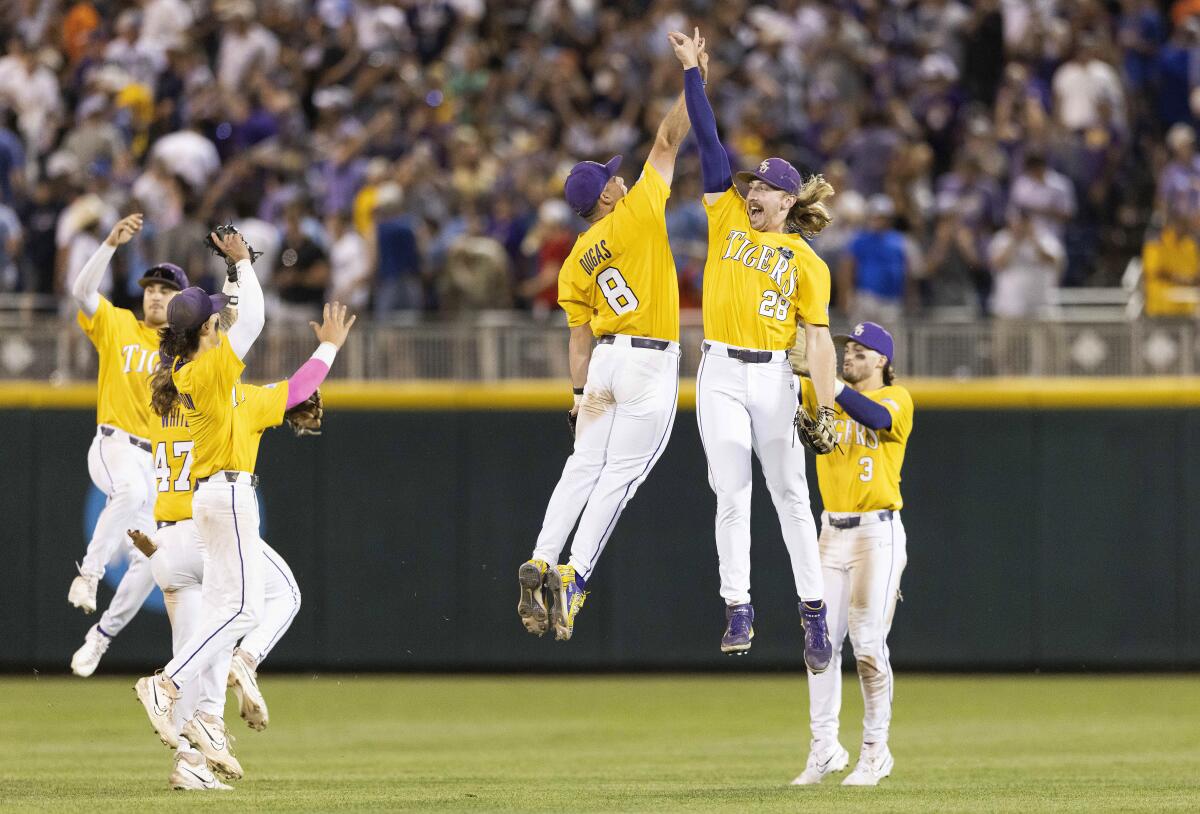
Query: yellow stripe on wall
973, 394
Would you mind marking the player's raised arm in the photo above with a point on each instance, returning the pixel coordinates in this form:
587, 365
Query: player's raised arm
715, 173
331, 333
674, 128
86, 288
251, 307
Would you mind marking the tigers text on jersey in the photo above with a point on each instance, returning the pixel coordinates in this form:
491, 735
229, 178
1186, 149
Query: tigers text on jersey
862, 474
171, 441
620, 275
758, 284
128, 352
224, 427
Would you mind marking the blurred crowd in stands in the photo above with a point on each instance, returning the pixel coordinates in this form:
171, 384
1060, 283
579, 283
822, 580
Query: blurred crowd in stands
408, 155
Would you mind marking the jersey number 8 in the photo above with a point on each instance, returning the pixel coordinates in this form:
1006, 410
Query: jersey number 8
618, 293
774, 305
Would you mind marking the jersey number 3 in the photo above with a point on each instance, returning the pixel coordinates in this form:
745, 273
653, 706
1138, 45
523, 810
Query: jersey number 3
618, 293
162, 467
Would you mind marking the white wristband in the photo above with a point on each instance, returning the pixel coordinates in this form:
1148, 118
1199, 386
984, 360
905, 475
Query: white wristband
326, 352
838, 387
576, 407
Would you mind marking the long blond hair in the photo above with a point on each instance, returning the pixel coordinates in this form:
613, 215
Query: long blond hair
810, 214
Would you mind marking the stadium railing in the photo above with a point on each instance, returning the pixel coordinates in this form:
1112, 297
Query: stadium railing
507, 346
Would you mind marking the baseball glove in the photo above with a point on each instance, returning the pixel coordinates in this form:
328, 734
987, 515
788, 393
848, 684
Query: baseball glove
572, 422
305, 417
230, 266
143, 543
816, 433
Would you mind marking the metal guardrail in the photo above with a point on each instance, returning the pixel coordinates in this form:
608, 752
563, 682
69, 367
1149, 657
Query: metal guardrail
505, 345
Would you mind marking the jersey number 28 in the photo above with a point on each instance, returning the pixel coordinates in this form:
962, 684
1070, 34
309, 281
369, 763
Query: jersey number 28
774, 304
618, 293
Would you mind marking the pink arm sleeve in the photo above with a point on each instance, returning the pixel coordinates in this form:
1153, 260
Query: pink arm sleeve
305, 381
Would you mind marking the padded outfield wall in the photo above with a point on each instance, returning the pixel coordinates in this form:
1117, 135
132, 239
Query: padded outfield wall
1051, 524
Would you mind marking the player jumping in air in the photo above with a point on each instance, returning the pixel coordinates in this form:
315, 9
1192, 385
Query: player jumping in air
120, 461
618, 285
862, 551
760, 280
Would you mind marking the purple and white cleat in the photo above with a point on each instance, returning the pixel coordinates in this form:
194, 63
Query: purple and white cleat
739, 629
818, 651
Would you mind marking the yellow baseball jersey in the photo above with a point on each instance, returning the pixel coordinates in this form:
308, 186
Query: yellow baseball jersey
757, 285
171, 439
863, 473
620, 276
128, 351
225, 436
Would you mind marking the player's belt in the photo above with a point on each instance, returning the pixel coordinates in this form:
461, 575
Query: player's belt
162, 524
230, 477
636, 342
754, 357
137, 442
855, 520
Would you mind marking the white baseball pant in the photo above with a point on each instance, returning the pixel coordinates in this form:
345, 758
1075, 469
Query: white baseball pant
743, 407
226, 520
178, 568
862, 568
625, 419
125, 474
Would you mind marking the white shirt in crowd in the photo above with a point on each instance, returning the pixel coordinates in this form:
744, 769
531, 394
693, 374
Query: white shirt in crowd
189, 155
165, 23
1050, 199
257, 48
1023, 284
1080, 87
350, 269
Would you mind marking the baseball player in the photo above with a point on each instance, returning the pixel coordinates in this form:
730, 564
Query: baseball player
619, 286
119, 460
862, 550
761, 279
176, 559
206, 366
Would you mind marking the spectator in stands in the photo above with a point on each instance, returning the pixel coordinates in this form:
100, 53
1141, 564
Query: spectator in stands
1027, 261
873, 275
1179, 181
1083, 84
475, 277
399, 279
302, 274
547, 244
1043, 194
1171, 268
954, 273
350, 259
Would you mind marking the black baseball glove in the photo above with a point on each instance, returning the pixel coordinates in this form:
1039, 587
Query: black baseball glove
305, 417
816, 433
230, 266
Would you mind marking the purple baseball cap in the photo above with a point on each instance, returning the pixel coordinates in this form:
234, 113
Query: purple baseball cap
586, 181
873, 336
191, 308
167, 274
775, 172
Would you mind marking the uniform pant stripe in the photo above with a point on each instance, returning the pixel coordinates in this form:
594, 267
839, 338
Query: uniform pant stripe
295, 606
241, 570
699, 418
650, 463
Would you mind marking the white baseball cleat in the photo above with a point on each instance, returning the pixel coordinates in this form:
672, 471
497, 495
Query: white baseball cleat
82, 593
191, 773
823, 760
158, 695
244, 680
874, 763
207, 733
87, 658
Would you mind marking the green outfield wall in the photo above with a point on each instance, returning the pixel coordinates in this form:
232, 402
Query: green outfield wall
1048, 527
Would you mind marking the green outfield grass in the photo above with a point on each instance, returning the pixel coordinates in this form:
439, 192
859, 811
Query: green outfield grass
657, 743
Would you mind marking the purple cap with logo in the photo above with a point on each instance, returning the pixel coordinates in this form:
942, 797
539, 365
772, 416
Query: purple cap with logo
166, 273
586, 182
775, 172
873, 336
191, 308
